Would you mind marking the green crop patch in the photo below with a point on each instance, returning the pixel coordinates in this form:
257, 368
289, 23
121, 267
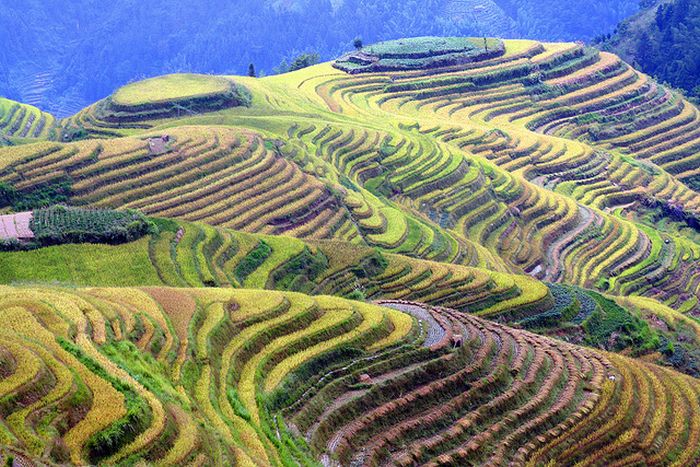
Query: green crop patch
420, 53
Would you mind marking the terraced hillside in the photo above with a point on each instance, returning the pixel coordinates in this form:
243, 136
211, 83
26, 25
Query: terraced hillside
438, 182
551, 159
175, 376
197, 255
161, 97
24, 121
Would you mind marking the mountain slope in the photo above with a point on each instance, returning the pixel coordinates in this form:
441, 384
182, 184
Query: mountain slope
662, 41
442, 181
196, 255
113, 375
550, 159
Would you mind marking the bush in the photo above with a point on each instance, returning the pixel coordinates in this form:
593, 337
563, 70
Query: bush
61, 224
252, 261
613, 328
53, 192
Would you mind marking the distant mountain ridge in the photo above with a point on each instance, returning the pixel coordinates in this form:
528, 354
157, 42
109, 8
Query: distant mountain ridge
61, 56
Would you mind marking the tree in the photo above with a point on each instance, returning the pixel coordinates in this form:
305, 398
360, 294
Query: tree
282, 68
251, 71
305, 60
357, 43
645, 51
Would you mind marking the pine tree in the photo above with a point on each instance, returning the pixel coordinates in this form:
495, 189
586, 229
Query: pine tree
251, 71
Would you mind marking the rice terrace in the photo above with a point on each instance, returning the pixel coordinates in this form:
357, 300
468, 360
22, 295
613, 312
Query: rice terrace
429, 251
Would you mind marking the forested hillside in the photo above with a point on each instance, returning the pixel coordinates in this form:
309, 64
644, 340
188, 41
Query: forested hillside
662, 40
61, 55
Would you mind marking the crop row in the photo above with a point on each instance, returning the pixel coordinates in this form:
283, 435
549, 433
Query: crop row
89, 375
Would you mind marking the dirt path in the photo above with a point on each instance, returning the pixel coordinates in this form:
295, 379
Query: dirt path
435, 331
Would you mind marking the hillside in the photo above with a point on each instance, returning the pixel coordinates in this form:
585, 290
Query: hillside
23, 121
662, 40
212, 376
196, 255
550, 159
429, 251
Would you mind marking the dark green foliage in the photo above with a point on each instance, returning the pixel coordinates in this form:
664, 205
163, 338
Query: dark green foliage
310, 372
72, 133
586, 306
357, 43
142, 366
304, 61
8, 194
681, 356
372, 265
165, 225
356, 295
53, 192
11, 244
667, 47
62, 224
299, 273
565, 308
252, 261
126, 429
236, 403
613, 328
419, 53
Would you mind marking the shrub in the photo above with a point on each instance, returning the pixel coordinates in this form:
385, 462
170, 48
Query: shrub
252, 261
53, 192
62, 224
612, 327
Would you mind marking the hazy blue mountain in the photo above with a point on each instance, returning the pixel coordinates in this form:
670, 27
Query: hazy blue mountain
61, 55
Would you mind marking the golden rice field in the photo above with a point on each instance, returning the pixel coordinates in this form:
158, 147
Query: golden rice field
553, 160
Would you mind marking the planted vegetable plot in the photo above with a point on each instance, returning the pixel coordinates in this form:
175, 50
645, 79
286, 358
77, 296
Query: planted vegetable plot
62, 224
420, 53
